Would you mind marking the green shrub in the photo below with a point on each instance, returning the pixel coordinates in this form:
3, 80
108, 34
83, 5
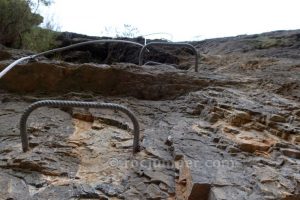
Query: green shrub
16, 19
19, 25
39, 39
270, 42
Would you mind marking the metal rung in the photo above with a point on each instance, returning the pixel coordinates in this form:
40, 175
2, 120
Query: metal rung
58, 103
142, 52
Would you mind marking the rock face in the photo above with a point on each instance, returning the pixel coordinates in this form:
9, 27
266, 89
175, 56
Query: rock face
109, 53
230, 131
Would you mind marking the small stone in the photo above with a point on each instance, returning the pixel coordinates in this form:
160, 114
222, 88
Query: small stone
230, 130
82, 114
97, 127
85, 191
292, 153
277, 118
197, 110
232, 149
155, 193
110, 189
283, 145
132, 194
297, 139
141, 187
169, 140
297, 112
252, 147
222, 146
160, 177
216, 140
238, 118
163, 187
213, 117
124, 145
257, 126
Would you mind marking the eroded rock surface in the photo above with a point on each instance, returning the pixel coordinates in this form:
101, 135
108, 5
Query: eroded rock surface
231, 131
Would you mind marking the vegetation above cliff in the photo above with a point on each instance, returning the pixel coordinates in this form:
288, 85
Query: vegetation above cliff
19, 25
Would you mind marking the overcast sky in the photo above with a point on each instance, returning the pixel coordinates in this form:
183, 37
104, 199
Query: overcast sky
183, 19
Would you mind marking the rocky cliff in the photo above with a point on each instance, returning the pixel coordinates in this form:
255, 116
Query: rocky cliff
229, 131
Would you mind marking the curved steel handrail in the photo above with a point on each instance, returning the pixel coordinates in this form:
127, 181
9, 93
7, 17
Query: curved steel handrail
141, 55
86, 43
59, 103
9, 67
153, 62
158, 33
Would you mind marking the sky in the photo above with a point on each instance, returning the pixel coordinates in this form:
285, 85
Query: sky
180, 20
